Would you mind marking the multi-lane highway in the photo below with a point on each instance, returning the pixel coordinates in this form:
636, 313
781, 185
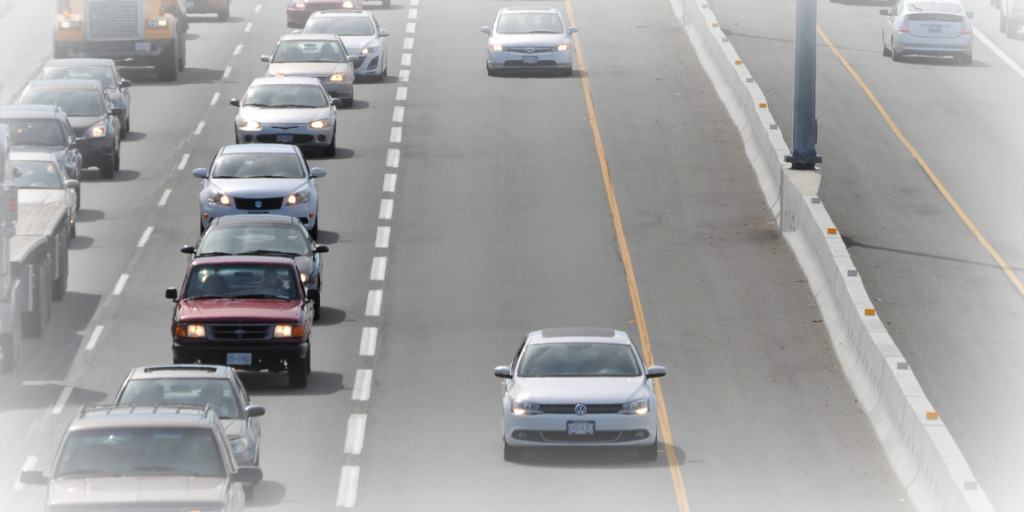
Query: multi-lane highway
464, 211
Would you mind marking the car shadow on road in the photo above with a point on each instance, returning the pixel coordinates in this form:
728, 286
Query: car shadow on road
89, 215
146, 77
339, 154
80, 242
276, 384
358, 105
267, 493
327, 237
595, 457
331, 316
941, 61
213, 19
134, 136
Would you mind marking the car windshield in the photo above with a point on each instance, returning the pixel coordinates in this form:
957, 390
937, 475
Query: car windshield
105, 75
310, 51
341, 25
74, 103
135, 452
578, 360
530, 23
217, 393
286, 96
288, 239
35, 132
36, 174
934, 7
258, 165
242, 281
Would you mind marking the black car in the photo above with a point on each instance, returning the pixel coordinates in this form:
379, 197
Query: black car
44, 129
103, 70
266, 235
93, 117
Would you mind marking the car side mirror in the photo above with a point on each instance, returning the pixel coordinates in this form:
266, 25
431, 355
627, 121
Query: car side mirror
116, 111
384, 32
252, 411
486, 30
124, 83
264, 58
317, 172
71, 183
188, 249
573, 30
201, 173
970, 14
337, 102
503, 372
33, 477
234, 102
322, 248
248, 475
352, 58
171, 293
654, 372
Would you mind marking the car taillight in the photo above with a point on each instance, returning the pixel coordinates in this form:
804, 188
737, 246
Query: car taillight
904, 26
965, 28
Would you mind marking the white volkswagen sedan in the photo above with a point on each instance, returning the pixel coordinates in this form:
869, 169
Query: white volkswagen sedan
579, 387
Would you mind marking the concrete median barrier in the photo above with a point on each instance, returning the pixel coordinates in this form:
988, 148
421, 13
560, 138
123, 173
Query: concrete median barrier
923, 454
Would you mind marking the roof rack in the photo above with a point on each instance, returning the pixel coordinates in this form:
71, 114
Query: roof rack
107, 409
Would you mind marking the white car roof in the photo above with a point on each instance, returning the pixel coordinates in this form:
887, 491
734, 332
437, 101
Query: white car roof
578, 335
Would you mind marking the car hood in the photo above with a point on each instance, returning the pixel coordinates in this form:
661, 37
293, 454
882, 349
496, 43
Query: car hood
256, 188
40, 195
591, 390
317, 69
284, 115
82, 123
545, 40
32, 148
242, 310
355, 43
147, 490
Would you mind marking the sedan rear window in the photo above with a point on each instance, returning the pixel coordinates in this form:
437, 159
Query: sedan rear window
105, 75
341, 25
934, 7
310, 51
258, 165
578, 360
136, 452
35, 132
36, 174
242, 281
285, 96
74, 103
530, 23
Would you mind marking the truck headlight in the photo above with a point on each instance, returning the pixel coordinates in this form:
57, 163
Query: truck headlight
288, 331
525, 407
494, 47
70, 24
190, 331
320, 124
299, 197
249, 126
158, 23
337, 77
635, 407
97, 131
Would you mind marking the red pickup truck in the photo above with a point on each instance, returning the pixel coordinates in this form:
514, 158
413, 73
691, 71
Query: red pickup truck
250, 312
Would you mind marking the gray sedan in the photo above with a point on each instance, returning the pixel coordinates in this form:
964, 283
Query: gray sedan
289, 110
321, 56
928, 27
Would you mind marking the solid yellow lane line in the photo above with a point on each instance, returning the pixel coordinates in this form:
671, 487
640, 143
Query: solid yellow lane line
627, 264
927, 168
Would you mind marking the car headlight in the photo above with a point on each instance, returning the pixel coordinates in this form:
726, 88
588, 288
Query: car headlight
496, 47
218, 198
158, 23
348, 5
70, 24
278, 74
564, 47
239, 445
97, 131
190, 331
288, 331
299, 197
370, 49
248, 125
525, 407
299, 5
320, 124
303, 277
641, 406
337, 77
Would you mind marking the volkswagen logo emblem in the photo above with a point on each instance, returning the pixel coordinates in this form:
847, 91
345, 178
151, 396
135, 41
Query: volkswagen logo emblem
259, 204
580, 410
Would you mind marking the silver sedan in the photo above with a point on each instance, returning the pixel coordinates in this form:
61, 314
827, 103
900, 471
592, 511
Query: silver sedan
288, 110
322, 56
529, 39
928, 27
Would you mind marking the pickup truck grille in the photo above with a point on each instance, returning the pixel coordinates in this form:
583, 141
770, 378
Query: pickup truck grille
240, 332
113, 20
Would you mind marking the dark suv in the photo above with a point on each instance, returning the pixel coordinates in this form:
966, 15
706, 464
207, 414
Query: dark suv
44, 129
250, 312
93, 117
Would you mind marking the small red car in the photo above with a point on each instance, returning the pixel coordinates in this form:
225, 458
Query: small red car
250, 312
299, 10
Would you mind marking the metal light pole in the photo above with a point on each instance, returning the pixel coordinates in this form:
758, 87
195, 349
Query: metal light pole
805, 124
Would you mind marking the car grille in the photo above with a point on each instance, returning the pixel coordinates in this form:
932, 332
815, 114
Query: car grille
241, 332
571, 408
561, 436
530, 49
265, 203
299, 138
113, 20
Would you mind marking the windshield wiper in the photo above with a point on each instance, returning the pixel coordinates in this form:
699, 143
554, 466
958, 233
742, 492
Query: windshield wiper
261, 296
87, 472
167, 469
265, 176
295, 105
268, 251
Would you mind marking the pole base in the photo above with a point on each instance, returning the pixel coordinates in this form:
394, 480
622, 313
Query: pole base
803, 162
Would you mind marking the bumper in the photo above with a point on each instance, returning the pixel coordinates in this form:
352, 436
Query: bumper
609, 430
299, 135
306, 212
96, 152
265, 356
136, 51
916, 45
527, 61
369, 65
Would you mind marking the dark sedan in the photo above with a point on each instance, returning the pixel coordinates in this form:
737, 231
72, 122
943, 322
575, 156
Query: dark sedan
44, 129
102, 70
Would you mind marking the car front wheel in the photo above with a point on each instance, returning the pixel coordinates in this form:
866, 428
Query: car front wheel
297, 372
512, 453
648, 453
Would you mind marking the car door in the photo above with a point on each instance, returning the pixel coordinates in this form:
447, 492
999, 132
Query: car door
72, 158
251, 424
113, 123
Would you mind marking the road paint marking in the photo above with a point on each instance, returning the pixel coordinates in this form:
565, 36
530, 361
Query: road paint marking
238, 50
199, 128
414, 3
29, 465
361, 387
355, 434
37, 383
383, 237
374, 298
410, 28
999, 52
62, 400
259, 7
184, 161
145, 237
216, 96
387, 207
407, 59
164, 198
379, 268
390, 182
408, 43
394, 157
399, 114
347, 486
403, 75
227, 73
413, 13
967, 221
396, 135
248, 27
119, 286
627, 264
368, 343
94, 338
401, 93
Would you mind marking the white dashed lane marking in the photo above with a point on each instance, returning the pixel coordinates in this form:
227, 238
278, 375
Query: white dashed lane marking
62, 401
361, 387
355, 433
403, 75
248, 27
413, 13
348, 485
184, 158
410, 28
227, 73
379, 268
401, 93
396, 135
368, 342
238, 50
408, 43
164, 198
145, 237
407, 59
95, 338
399, 114
390, 182
199, 128
213, 101
259, 7
119, 286
383, 237
394, 158
374, 298
387, 208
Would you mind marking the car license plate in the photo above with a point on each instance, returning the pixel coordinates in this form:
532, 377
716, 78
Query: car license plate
143, 46
934, 29
190, 3
580, 428
239, 359
285, 138
530, 59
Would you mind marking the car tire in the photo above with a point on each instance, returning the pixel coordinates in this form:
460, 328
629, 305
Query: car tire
315, 232
885, 49
648, 453
966, 59
896, 56
10, 350
347, 103
78, 198
297, 376
512, 453
167, 65
60, 285
331, 150
108, 169
491, 71
201, 228
309, 360
225, 14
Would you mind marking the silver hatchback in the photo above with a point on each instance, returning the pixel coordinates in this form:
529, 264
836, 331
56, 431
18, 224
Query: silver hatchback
928, 27
529, 39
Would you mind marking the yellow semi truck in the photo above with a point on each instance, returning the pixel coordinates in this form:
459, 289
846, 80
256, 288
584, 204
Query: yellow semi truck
132, 32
